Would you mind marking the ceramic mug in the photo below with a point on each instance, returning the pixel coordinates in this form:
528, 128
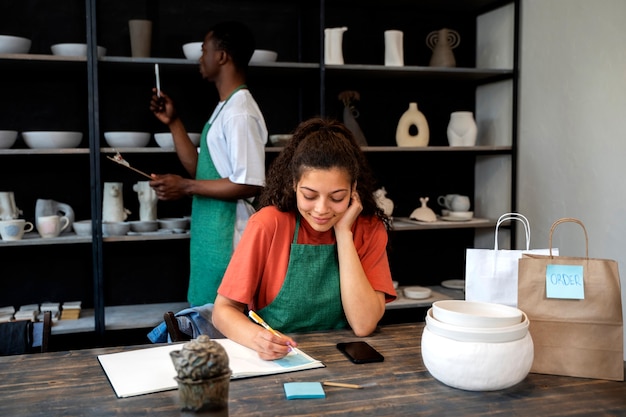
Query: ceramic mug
454, 202
14, 229
51, 226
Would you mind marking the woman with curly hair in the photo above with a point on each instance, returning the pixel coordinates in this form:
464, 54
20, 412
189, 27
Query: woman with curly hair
314, 256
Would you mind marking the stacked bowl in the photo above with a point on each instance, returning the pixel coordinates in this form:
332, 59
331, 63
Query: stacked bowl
477, 346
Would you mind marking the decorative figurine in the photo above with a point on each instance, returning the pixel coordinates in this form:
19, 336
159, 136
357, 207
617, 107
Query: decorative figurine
386, 204
423, 213
350, 114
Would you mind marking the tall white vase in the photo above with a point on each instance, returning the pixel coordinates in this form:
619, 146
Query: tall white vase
333, 45
394, 50
462, 129
412, 117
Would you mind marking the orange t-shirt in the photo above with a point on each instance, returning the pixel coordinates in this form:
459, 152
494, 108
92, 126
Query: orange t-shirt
257, 270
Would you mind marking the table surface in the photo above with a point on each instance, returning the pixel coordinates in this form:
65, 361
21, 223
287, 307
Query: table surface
73, 384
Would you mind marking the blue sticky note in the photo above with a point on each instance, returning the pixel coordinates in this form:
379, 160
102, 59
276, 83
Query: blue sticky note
299, 390
565, 281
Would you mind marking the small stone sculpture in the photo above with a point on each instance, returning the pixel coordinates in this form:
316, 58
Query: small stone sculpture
386, 204
203, 374
423, 213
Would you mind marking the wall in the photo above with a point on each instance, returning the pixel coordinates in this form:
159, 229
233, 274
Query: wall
572, 141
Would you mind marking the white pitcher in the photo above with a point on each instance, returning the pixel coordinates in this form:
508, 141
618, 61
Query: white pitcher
333, 45
8, 209
113, 203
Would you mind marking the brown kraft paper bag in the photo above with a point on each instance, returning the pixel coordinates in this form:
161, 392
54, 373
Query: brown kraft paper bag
573, 337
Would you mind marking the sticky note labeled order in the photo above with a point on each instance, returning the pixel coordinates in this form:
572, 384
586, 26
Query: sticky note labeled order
565, 281
303, 390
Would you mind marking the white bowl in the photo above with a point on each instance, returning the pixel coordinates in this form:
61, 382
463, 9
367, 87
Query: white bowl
476, 314
192, 50
477, 366
127, 139
74, 49
165, 140
280, 139
82, 227
14, 45
170, 223
417, 292
7, 138
142, 226
52, 140
115, 228
263, 55
477, 334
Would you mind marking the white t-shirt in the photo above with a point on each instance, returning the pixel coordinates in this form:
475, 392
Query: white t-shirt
236, 141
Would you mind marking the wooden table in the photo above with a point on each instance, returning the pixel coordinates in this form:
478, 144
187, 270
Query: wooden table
73, 384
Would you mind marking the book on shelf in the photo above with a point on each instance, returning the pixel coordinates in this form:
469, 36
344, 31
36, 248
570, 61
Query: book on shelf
148, 370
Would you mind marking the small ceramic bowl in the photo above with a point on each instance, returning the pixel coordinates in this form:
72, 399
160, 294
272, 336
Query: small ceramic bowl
165, 140
192, 50
143, 226
280, 140
14, 45
115, 228
174, 223
52, 140
74, 49
82, 227
476, 314
127, 139
263, 55
7, 138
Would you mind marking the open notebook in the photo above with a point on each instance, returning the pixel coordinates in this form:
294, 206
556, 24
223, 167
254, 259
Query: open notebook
144, 371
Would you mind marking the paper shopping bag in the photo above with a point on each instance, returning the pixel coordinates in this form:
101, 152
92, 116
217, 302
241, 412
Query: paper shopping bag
491, 274
575, 310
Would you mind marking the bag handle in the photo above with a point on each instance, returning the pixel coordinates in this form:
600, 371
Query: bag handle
570, 220
513, 216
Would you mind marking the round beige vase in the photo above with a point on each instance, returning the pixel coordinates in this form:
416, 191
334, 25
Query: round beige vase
412, 118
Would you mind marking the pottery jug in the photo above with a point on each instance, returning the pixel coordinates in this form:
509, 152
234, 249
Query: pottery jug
44, 207
394, 52
462, 129
147, 201
333, 45
442, 42
8, 209
412, 117
113, 203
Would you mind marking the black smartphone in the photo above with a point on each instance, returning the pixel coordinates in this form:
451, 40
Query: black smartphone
360, 352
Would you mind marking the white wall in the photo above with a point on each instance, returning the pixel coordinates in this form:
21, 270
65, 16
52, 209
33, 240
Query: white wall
572, 125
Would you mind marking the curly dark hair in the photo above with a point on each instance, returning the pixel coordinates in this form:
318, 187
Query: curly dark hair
236, 39
321, 144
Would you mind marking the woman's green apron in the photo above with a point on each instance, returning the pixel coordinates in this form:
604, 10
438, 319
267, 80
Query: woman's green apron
310, 298
212, 230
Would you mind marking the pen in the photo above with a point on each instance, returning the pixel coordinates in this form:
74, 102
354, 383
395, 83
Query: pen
257, 319
158, 79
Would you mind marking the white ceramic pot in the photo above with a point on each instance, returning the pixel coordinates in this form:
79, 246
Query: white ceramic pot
462, 129
477, 366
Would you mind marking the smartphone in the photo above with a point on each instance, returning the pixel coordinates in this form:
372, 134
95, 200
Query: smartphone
360, 352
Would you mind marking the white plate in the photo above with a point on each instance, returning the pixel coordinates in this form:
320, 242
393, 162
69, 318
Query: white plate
455, 284
417, 293
454, 219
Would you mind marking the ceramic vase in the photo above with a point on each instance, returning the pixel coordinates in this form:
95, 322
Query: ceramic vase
333, 45
442, 42
412, 118
147, 201
113, 203
140, 37
394, 52
8, 209
462, 129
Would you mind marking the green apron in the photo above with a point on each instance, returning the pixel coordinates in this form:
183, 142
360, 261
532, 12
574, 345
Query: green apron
310, 298
212, 230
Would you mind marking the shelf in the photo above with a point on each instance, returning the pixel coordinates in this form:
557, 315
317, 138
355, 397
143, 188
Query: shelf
405, 223
482, 150
61, 151
421, 72
33, 239
137, 316
438, 293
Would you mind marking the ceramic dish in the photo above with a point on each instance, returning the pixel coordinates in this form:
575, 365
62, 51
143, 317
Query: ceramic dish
7, 138
454, 284
476, 314
417, 292
179, 225
474, 334
74, 49
192, 50
52, 140
166, 141
127, 139
461, 215
82, 227
14, 45
142, 226
263, 55
454, 219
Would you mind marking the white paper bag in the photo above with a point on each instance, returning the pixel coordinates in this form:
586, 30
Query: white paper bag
491, 274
